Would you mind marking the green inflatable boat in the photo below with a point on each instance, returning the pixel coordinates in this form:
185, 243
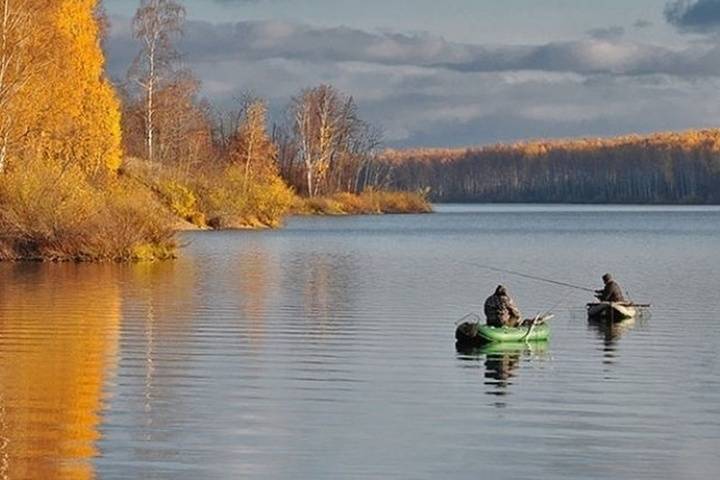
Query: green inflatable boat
504, 348
474, 333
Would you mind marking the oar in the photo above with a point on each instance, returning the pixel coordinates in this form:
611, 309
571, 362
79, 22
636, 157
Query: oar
536, 321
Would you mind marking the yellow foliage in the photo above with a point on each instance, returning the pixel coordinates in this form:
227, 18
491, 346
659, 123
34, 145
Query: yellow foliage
270, 200
689, 140
397, 202
216, 198
59, 197
67, 110
182, 201
371, 202
228, 201
44, 199
48, 212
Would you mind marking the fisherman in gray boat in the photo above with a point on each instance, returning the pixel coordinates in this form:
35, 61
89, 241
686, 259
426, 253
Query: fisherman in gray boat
500, 309
611, 292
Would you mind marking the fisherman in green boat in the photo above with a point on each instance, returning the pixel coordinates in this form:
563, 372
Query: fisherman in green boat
504, 324
500, 309
612, 291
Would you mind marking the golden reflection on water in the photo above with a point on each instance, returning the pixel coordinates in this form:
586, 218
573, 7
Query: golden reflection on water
327, 281
255, 276
53, 368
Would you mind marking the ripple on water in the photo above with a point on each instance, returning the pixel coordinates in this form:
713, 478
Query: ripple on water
325, 351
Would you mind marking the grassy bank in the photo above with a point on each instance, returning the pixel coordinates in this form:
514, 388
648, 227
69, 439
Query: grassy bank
216, 198
221, 199
55, 212
366, 203
50, 212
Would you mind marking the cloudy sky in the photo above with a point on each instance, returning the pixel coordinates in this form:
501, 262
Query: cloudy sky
462, 72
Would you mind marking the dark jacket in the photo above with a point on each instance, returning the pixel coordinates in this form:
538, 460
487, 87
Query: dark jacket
500, 311
611, 293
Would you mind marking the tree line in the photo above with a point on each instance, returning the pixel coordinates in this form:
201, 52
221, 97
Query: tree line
320, 147
659, 168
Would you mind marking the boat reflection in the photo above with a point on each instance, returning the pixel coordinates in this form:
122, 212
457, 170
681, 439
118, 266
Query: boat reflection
610, 333
501, 362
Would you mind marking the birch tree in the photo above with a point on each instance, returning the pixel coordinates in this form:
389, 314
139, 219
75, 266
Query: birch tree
156, 24
18, 63
318, 126
333, 143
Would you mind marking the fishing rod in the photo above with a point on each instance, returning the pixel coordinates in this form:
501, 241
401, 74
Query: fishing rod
554, 282
532, 277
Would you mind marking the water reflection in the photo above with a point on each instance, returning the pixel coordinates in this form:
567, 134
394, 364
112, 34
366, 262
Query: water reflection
53, 368
161, 297
610, 333
501, 362
255, 277
328, 287
276, 355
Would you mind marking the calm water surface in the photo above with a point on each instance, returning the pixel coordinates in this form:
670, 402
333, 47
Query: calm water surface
325, 351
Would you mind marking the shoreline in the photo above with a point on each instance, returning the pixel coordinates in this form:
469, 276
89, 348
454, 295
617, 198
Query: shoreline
186, 226
20, 250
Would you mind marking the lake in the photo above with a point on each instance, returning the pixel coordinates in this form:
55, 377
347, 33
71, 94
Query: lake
325, 350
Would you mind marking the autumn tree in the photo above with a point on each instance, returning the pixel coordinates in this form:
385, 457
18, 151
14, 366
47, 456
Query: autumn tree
251, 146
184, 133
18, 63
156, 24
56, 102
60, 197
332, 143
182, 124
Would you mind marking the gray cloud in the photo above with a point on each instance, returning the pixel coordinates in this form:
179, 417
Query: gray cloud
208, 42
425, 90
694, 15
246, 41
642, 23
594, 56
607, 33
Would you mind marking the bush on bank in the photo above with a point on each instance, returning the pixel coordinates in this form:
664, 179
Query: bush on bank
370, 202
51, 212
219, 197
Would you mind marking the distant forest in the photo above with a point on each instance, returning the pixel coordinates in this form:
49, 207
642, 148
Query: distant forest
682, 168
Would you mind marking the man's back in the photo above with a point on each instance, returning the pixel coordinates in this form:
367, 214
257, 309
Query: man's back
612, 292
500, 310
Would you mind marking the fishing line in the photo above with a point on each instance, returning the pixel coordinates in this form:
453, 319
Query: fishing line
531, 277
562, 300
